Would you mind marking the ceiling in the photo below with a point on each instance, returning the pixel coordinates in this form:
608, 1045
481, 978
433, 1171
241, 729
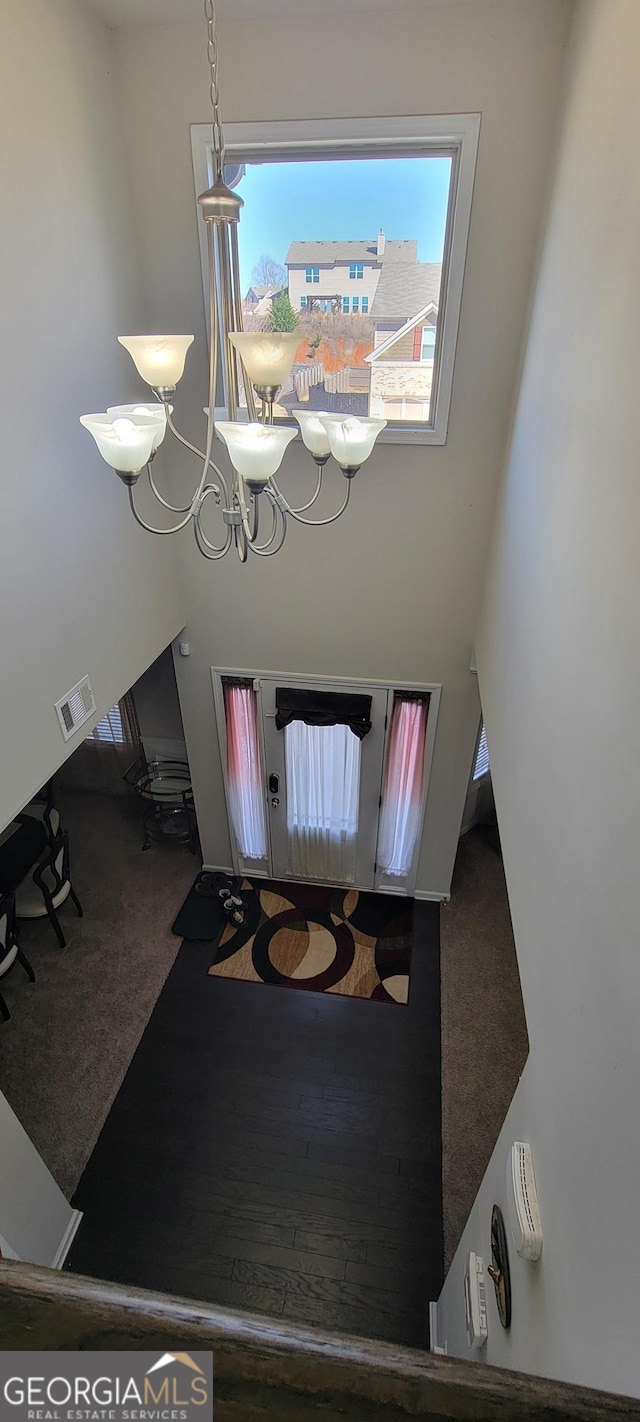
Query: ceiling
158, 12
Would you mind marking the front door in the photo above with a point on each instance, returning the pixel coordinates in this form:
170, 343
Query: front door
323, 788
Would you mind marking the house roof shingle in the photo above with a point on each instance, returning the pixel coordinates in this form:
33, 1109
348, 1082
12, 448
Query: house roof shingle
261, 291
404, 288
328, 253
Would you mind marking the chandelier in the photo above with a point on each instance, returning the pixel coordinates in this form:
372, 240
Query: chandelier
129, 435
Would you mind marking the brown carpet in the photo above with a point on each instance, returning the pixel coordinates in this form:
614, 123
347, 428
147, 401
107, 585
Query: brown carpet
319, 939
73, 1033
484, 1032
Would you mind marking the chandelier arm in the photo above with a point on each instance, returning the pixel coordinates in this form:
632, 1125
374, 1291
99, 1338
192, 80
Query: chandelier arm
254, 520
217, 550
200, 453
265, 550
208, 549
249, 521
163, 501
149, 527
321, 522
312, 500
241, 542
262, 547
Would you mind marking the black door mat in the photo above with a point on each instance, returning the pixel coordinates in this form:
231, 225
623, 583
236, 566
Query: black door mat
202, 915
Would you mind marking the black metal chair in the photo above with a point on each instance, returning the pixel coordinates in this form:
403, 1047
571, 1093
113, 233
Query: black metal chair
10, 950
49, 886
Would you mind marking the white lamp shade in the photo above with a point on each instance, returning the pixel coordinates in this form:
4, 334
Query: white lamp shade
125, 443
158, 359
352, 439
256, 451
158, 413
267, 356
313, 432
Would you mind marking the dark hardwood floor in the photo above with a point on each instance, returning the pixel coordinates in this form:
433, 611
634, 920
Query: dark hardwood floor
278, 1151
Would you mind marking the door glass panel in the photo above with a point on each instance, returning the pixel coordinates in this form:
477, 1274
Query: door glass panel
323, 790
244, 773
402, 793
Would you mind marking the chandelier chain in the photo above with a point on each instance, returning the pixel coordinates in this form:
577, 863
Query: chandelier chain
214, 92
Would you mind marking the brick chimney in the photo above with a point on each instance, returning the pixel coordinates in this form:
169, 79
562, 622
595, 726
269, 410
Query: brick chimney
382, 242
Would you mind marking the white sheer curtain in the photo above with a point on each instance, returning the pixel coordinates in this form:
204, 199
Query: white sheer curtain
403, 786
244, 771
323, 790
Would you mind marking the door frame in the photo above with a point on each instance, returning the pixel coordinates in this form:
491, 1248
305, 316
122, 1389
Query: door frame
433, 689
370, 777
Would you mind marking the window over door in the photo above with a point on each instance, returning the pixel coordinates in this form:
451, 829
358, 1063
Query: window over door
403, 279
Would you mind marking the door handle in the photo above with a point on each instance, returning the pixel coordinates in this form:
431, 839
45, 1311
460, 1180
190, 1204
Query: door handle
274, 784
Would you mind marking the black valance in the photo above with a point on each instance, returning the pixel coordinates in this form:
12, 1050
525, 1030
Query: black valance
323, 708
412, 696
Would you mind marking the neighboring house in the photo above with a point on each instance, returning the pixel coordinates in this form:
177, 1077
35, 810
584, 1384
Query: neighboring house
385, 281
405, 315
259, 299
342, 276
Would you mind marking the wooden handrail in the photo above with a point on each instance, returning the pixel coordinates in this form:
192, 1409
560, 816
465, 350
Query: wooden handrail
265, 1368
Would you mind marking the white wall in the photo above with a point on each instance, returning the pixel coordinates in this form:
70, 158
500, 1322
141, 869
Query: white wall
559, 664
34, 1215
392, 590
158, 708
82, 589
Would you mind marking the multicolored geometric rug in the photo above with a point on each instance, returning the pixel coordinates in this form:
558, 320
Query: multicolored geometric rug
318, 939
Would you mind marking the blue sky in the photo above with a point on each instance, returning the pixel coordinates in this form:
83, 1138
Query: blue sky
342, 200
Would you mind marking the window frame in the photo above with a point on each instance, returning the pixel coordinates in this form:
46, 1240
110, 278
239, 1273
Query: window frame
417, 135
478, 775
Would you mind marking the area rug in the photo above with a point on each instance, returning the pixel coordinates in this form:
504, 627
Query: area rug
319, 939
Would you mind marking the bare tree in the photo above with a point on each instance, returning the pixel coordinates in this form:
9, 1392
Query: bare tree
268, 272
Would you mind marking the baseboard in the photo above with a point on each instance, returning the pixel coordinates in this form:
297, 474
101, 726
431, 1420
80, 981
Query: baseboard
427, 894
67, 1240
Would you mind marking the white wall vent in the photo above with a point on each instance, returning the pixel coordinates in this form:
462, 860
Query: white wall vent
522, 1202
76, 707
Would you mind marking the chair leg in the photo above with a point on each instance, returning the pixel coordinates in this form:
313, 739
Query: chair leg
55, 923
4, 1010
76, 901
26, 965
